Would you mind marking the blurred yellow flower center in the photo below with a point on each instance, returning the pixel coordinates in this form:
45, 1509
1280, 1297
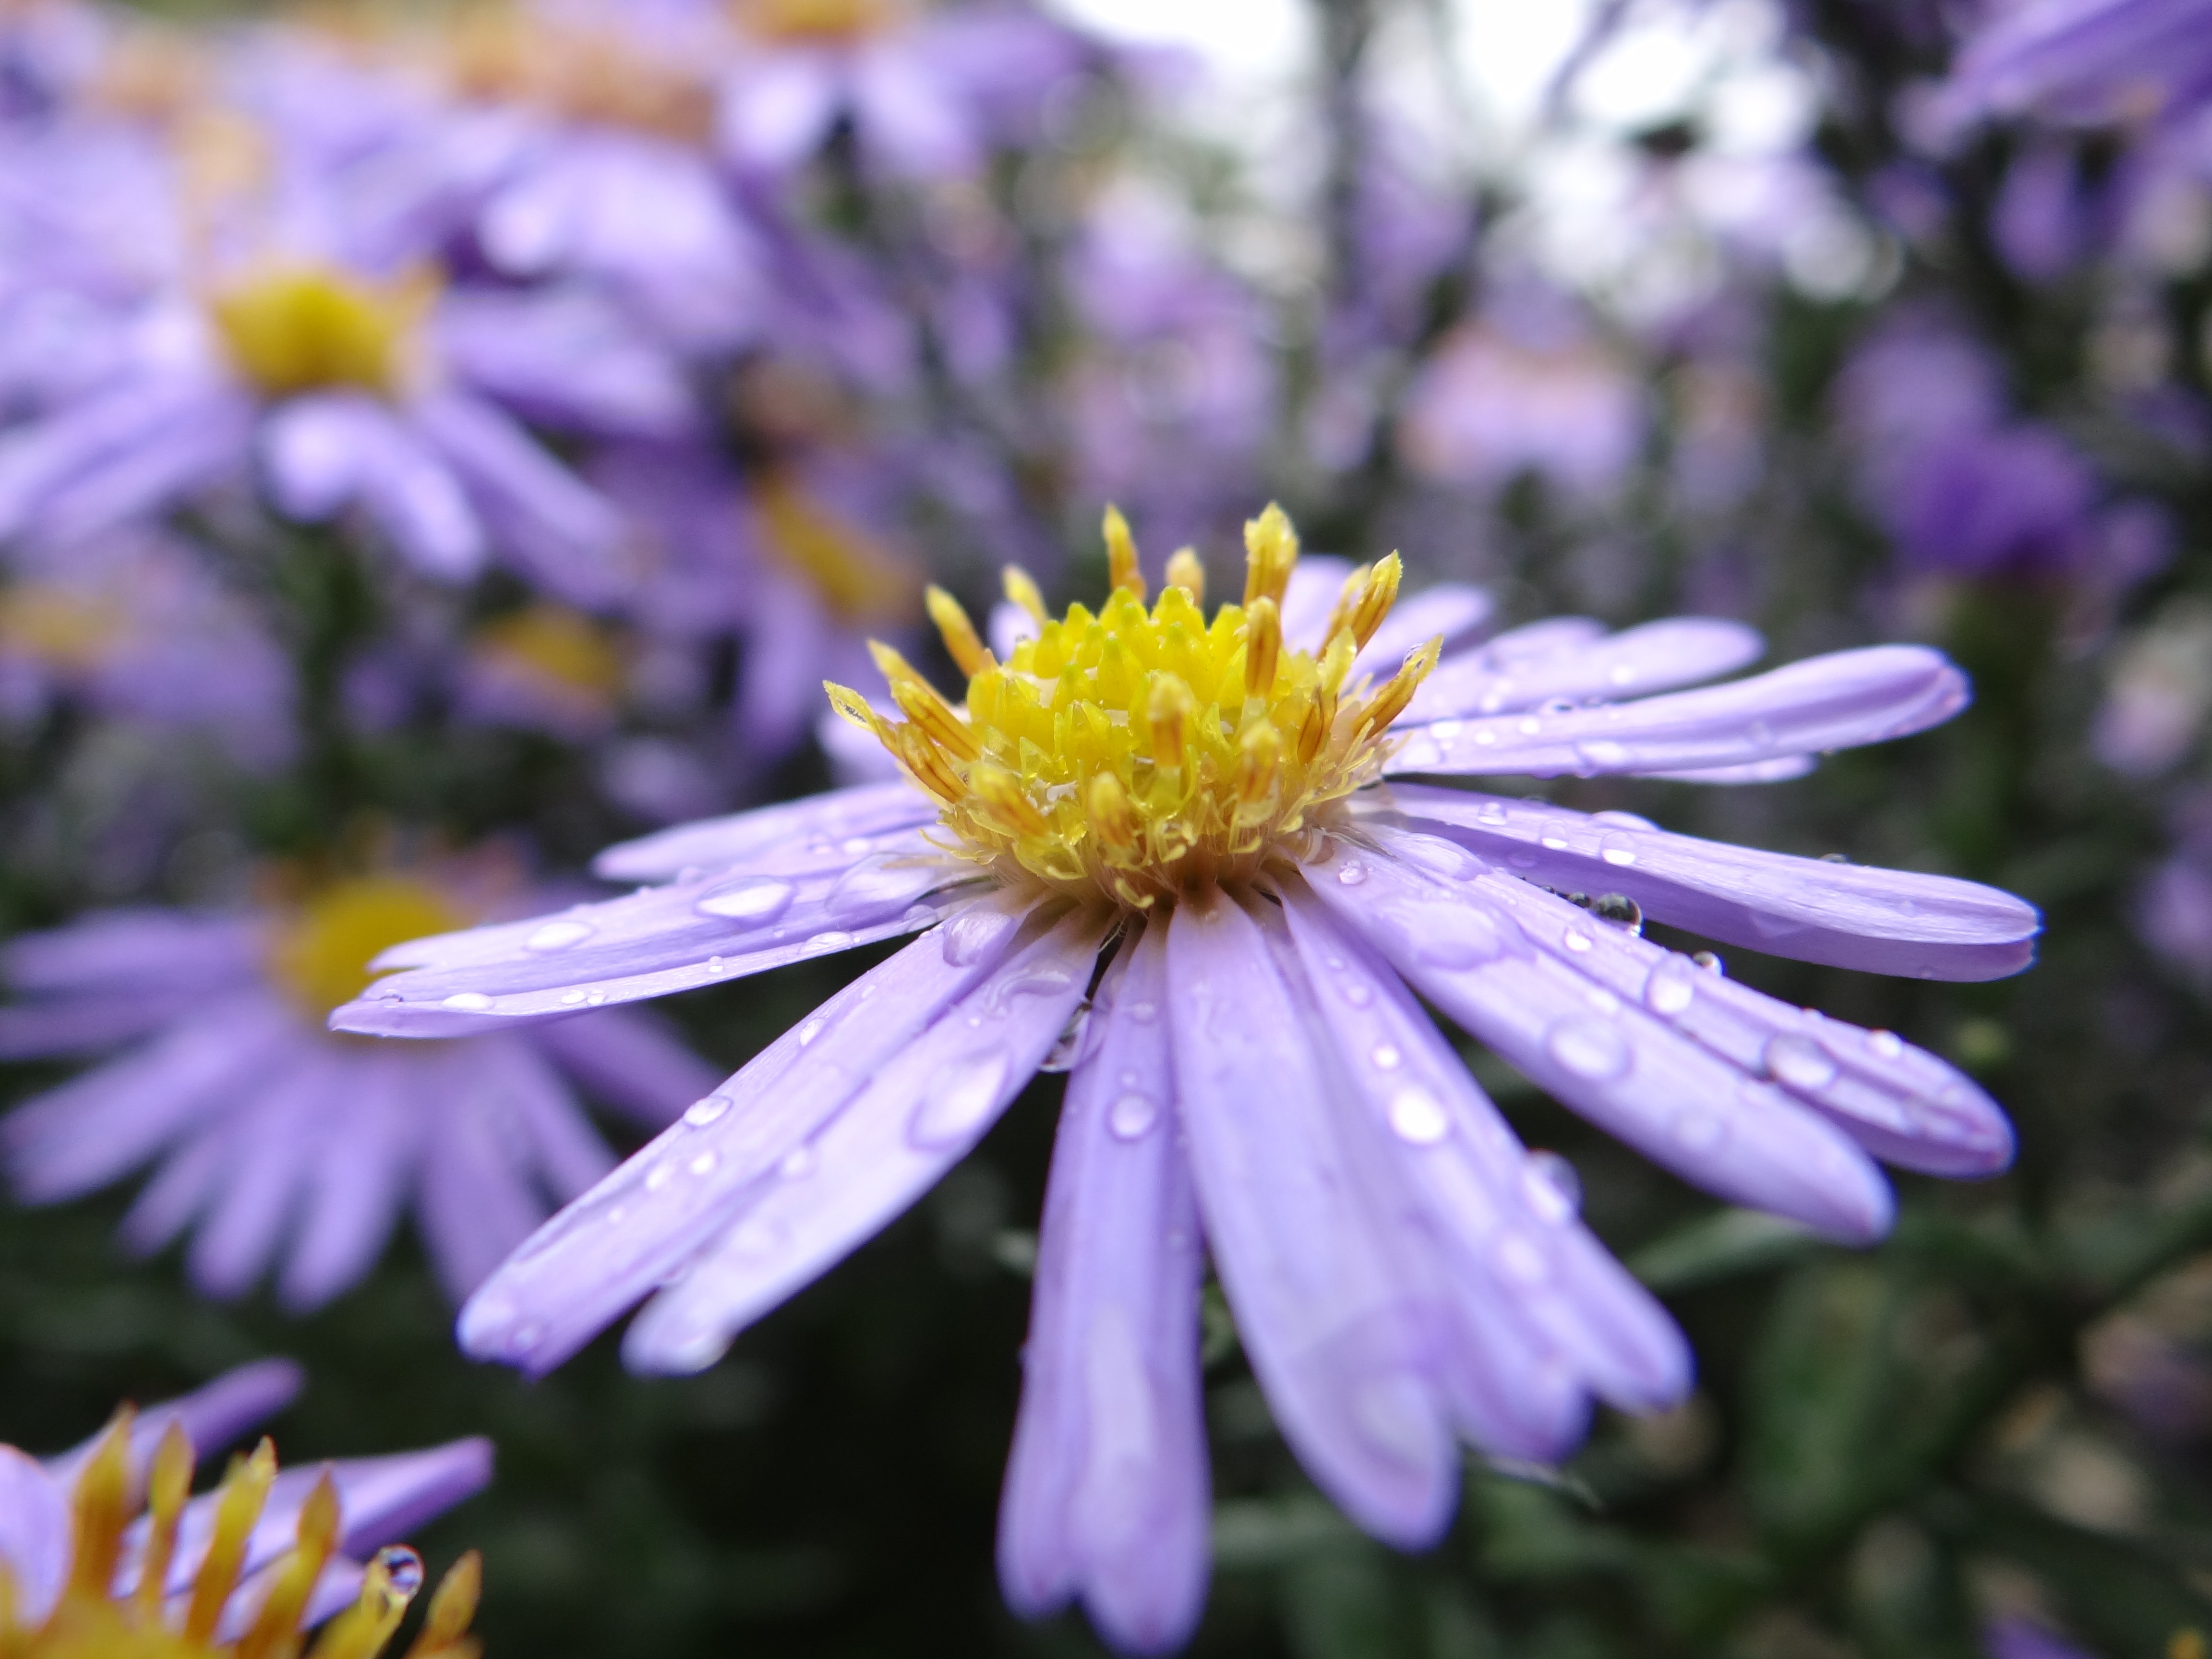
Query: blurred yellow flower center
858, 577
570, 652
90, 1620
580, 73
813, 20
60, 629
1142, 753
323, 950
303, 328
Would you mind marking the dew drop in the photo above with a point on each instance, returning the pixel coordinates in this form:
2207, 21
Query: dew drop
749, 898
1492, 812
1416, 1116
1529, 728
1672, 987
660, 1174
700, 1113
1444, 731
1357, 992
959, 1097
402, 1567
758, 1236
1621, 673
798, 1164
810, 1029
855, 845
1604, 754
705, 1163
1352, 874
1144, 1012
1385, 1057
834, 939
1887, 1044
1484, 737
876, 883
1552, 1187
972, 933
571, 999
1617, 850
1799, 1061
594, 998
1576, 940
1132, 1116
1711, 963
1553, 843
1069, 1048
1588, 1048
1620, 911
468, 1002
558, 936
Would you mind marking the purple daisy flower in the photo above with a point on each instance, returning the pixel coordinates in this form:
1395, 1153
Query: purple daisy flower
1193, 817
283, 1142
214, 1567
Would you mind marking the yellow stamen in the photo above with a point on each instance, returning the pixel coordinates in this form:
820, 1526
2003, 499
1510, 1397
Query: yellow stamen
861, 577
813, 20
1186, 571
968, 650
103, 1508
568, 650
61, 629
445, 1627
1122, 570
321, 953
245, 1490
317, 1538
1139, 753
166, 1494
362, 1629
303, 328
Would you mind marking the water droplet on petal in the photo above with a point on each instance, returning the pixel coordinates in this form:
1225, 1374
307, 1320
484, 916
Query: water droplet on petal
1552, 1187
1672, 987
700, 1113
402, 1567
1604, 754
468, 1002
704, 1163
1416, 1115
1396, 1417
1144, 1012
660, 1174
571, 999
1069, 1048
1711, 963
798, 1164
594, 998
1799, 1061
835, 938
1492, 812
1617, 850
1588, 1048
876, 884
810, 1029
1352, 874
1132, 1116
1620, 911
1444, 731
967, 936
1575, 940
749, 898
1529, 728
1385, 1056
958, 1099
558, 935
1357, 992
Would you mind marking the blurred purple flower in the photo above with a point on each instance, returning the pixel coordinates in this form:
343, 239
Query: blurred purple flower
2085, 62
2023, 1638
2172, 908
280, 1140
1254, 1062
378, 1498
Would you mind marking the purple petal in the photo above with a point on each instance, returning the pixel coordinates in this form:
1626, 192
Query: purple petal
87, 1132
474, 1199
777, 108
358, 1183
911, 1120
315, 451
628, 1059
1835, 701
1325, 1314
613, 1245
569, 1156
275, 1135
205, 439
181, 1188
565, 357
150, 949
1680, 651
1780, 770
46, 459
660, 939
1315, 581
839, 816
1848, 916
909, 120
1512, 1241
417, 501
34, 1532
1450, 608
1106, 1494
1501, 958
79, 1024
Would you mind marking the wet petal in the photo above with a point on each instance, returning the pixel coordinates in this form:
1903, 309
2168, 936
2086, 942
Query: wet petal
1656, 657
1513, 1244
628, 1059
604, 1252
1848, 915
1835, 701
912, 1119
34, 1530
834, 820
1522, 991
1106, 1495
1337, 1341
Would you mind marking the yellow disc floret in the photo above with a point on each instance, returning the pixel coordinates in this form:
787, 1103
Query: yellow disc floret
322, 952
1144, 752
297, 328
92, 1618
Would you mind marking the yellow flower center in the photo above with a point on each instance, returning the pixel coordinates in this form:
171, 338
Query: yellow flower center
860, 577
322, 952
302, 328
548, 642
813, 20
89, 1620
1140, 754
73, 632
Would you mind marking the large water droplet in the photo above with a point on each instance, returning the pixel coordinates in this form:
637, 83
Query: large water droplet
1603, 753
810, 1029
1554, 1189
1620, 911
558, 935
1672, 987
1887, 1044
1352, 874
1385, 1056
700, 1113
402, 1567
1576, 940
958, 1099
1132, 1115
833, 938
468, 1002
704, 1163
749, 898
1492, 812
1709, 961
967, 936
1618, 850
1416, 1115
1588, 1048
1799, 1061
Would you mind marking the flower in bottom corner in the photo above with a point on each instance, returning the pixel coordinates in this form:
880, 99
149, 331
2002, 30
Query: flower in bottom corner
282, 1142
242, 1570
1186, 823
